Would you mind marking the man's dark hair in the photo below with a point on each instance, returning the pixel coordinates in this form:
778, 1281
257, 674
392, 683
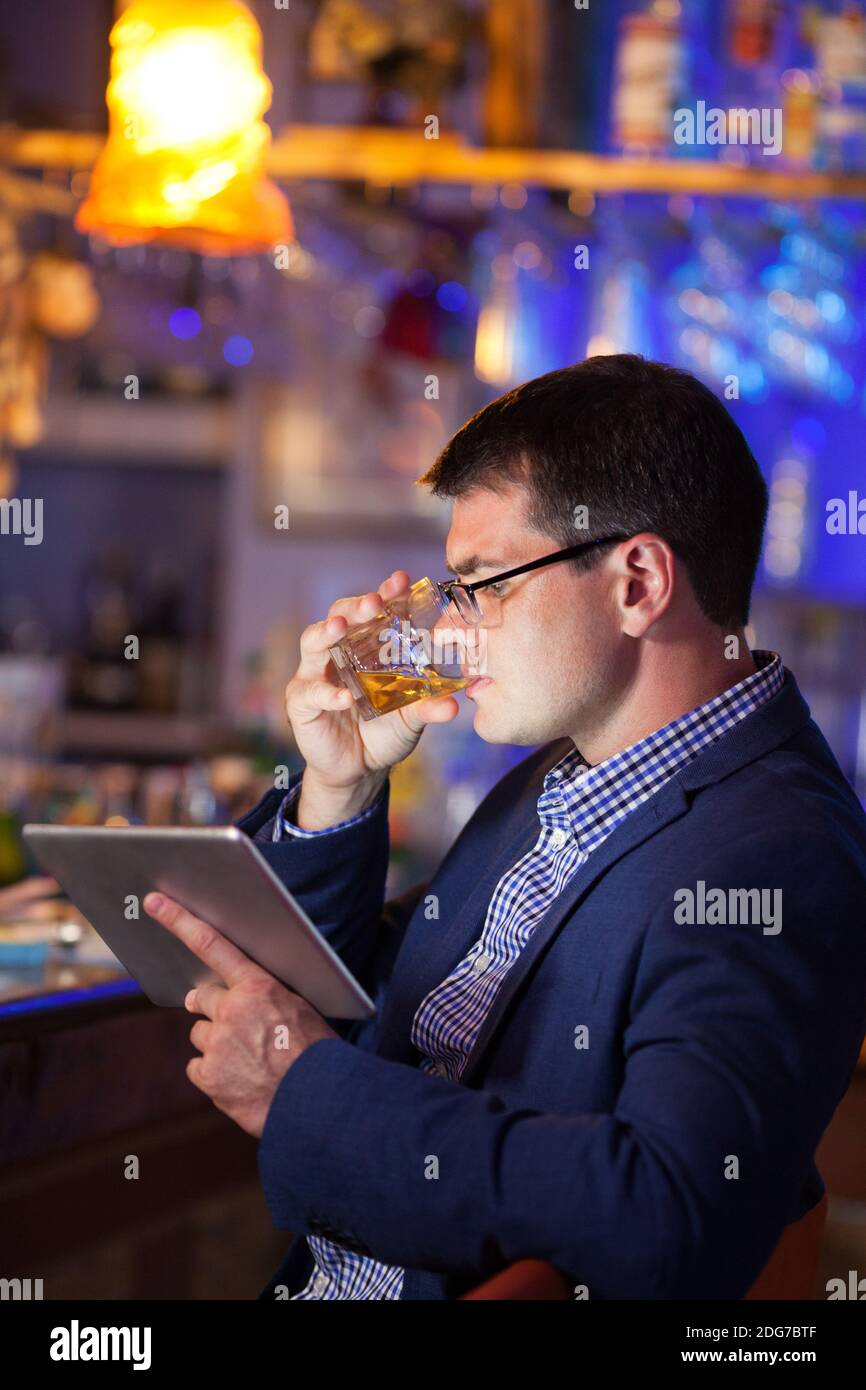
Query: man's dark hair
644, 447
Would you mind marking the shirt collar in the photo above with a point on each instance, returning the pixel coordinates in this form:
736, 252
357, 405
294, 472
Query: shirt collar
590, 801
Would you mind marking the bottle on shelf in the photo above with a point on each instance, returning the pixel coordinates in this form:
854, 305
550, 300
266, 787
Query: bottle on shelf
105, 677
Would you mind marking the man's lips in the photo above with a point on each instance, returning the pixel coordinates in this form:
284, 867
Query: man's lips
477, 683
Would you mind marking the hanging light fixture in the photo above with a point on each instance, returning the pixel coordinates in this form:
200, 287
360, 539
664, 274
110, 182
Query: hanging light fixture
184, 162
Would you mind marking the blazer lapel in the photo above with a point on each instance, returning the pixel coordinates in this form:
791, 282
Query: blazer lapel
669, 803
432, 949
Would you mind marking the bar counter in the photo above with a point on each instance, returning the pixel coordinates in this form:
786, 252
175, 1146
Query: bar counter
92, 1074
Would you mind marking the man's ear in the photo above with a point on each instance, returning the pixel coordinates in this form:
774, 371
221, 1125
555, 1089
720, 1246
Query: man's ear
645, 572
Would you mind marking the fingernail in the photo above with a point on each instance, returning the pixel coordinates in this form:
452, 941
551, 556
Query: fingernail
154, 903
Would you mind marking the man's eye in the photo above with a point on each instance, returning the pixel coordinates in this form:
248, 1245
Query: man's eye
499, 588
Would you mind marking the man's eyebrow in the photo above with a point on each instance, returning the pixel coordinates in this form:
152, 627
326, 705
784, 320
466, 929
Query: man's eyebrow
473, 563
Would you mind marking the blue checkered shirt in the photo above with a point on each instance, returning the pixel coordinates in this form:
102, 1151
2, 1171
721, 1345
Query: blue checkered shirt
578, 809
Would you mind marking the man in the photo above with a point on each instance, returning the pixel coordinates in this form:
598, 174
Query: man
614, 1025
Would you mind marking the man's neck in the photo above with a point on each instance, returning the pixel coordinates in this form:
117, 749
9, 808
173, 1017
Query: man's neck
680, 681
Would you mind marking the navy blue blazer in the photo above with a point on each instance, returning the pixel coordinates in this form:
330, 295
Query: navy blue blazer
662, 1160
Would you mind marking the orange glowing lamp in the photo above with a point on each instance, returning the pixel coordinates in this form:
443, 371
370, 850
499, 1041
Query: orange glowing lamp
184, 162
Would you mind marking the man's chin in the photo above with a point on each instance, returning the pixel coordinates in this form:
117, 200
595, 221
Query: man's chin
493, 729
482, 720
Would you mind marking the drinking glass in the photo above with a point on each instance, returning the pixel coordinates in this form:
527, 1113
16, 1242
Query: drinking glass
414, 648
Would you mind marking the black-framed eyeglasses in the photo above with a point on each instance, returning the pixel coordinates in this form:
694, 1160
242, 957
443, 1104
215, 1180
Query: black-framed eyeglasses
463, 595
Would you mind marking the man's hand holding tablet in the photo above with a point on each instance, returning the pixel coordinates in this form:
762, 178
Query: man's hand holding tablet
253, 1028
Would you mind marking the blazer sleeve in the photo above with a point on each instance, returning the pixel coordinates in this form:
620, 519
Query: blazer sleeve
338, 877
737, 1047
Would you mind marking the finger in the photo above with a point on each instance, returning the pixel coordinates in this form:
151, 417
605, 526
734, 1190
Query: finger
320, 695
39, 886
199, 1033
204, 999
373, 599
28, 891
316, 642
342, 614
433, 709
355, 606
219, 954
395, 584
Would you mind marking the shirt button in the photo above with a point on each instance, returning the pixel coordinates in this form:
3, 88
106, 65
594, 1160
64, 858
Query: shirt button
319, 1283
559, 837
481, 963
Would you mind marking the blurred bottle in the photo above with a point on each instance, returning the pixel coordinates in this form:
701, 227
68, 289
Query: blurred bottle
103, 677
649, 80
752, 82
118, 785
840, 51
197, 802
752, 28
161, 639
13, 862
800, 86
231, 777
86, 806
160, 795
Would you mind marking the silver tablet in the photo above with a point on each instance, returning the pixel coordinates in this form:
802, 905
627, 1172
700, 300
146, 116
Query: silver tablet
217, 874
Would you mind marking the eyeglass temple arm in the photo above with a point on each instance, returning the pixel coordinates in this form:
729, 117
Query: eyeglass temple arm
569, 553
